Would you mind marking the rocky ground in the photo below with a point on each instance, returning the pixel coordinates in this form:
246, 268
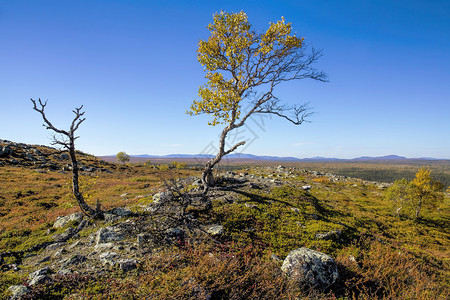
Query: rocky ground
43, 158
129, 237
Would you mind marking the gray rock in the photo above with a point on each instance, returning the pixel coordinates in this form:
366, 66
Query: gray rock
121, 211
295, 209
30, 156
75, 245
108, 257
63, 221
60, 252
108, 234
250, 205
40, 279
55, 246
40, 272
175, 232
215, 230
306, 187
127, 264
45, 259
75, 260
276, 258
103, 246
6, 151
65, 235
18, 291
64, 272
328, 235
310, 267
110, 217
64, 156
142, 238
162, 197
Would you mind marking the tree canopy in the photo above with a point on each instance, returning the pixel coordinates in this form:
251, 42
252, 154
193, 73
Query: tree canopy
244, 67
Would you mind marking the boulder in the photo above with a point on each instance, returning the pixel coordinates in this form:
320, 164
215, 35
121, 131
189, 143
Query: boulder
18, 291
6, 151
75, 260
40, 279
108, 257
43, 271
121, 211
215, 230
108, 234
127, 264
175, 232
64, 156
63, 221
329, 235
310, 267
161, 197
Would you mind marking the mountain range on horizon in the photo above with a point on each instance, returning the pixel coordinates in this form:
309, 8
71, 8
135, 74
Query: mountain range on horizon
283, 158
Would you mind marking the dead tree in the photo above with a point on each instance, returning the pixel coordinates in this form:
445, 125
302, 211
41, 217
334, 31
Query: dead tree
66, 139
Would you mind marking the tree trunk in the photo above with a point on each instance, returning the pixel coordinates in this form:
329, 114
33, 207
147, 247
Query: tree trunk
398, 211
419, 206
85, 208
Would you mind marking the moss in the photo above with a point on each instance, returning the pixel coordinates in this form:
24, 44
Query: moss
7, 279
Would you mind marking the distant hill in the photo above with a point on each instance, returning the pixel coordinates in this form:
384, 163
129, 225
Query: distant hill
244, 156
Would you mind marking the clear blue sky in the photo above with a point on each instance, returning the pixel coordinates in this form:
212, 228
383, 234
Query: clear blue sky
133, 66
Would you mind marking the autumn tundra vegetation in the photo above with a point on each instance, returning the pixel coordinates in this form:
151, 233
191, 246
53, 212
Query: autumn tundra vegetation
73, 226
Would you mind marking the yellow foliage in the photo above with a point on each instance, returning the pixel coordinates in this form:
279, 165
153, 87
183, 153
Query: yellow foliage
234, 48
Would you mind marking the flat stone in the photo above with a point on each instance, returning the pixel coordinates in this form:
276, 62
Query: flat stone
121, 211
108, 234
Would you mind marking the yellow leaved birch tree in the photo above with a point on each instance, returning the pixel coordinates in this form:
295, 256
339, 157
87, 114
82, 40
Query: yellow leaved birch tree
244, 67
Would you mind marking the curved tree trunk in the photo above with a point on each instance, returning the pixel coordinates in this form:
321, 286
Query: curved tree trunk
85, 208
207, 175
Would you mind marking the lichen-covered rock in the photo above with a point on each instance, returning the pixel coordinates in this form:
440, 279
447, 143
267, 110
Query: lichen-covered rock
328, 235
121, 211
43, 271
63, 221
108, 257
108, 234
40, 279
215, 230
161, 197
18, 291
127, 264
75, 260
310, 267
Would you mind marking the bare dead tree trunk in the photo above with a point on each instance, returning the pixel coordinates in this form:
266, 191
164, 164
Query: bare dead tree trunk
67, 140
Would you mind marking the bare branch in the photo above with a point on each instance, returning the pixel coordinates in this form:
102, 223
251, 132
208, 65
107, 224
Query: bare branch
299, 113
47, 124
234, 148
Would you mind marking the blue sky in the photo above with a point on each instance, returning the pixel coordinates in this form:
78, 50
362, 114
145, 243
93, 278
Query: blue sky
133, 66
